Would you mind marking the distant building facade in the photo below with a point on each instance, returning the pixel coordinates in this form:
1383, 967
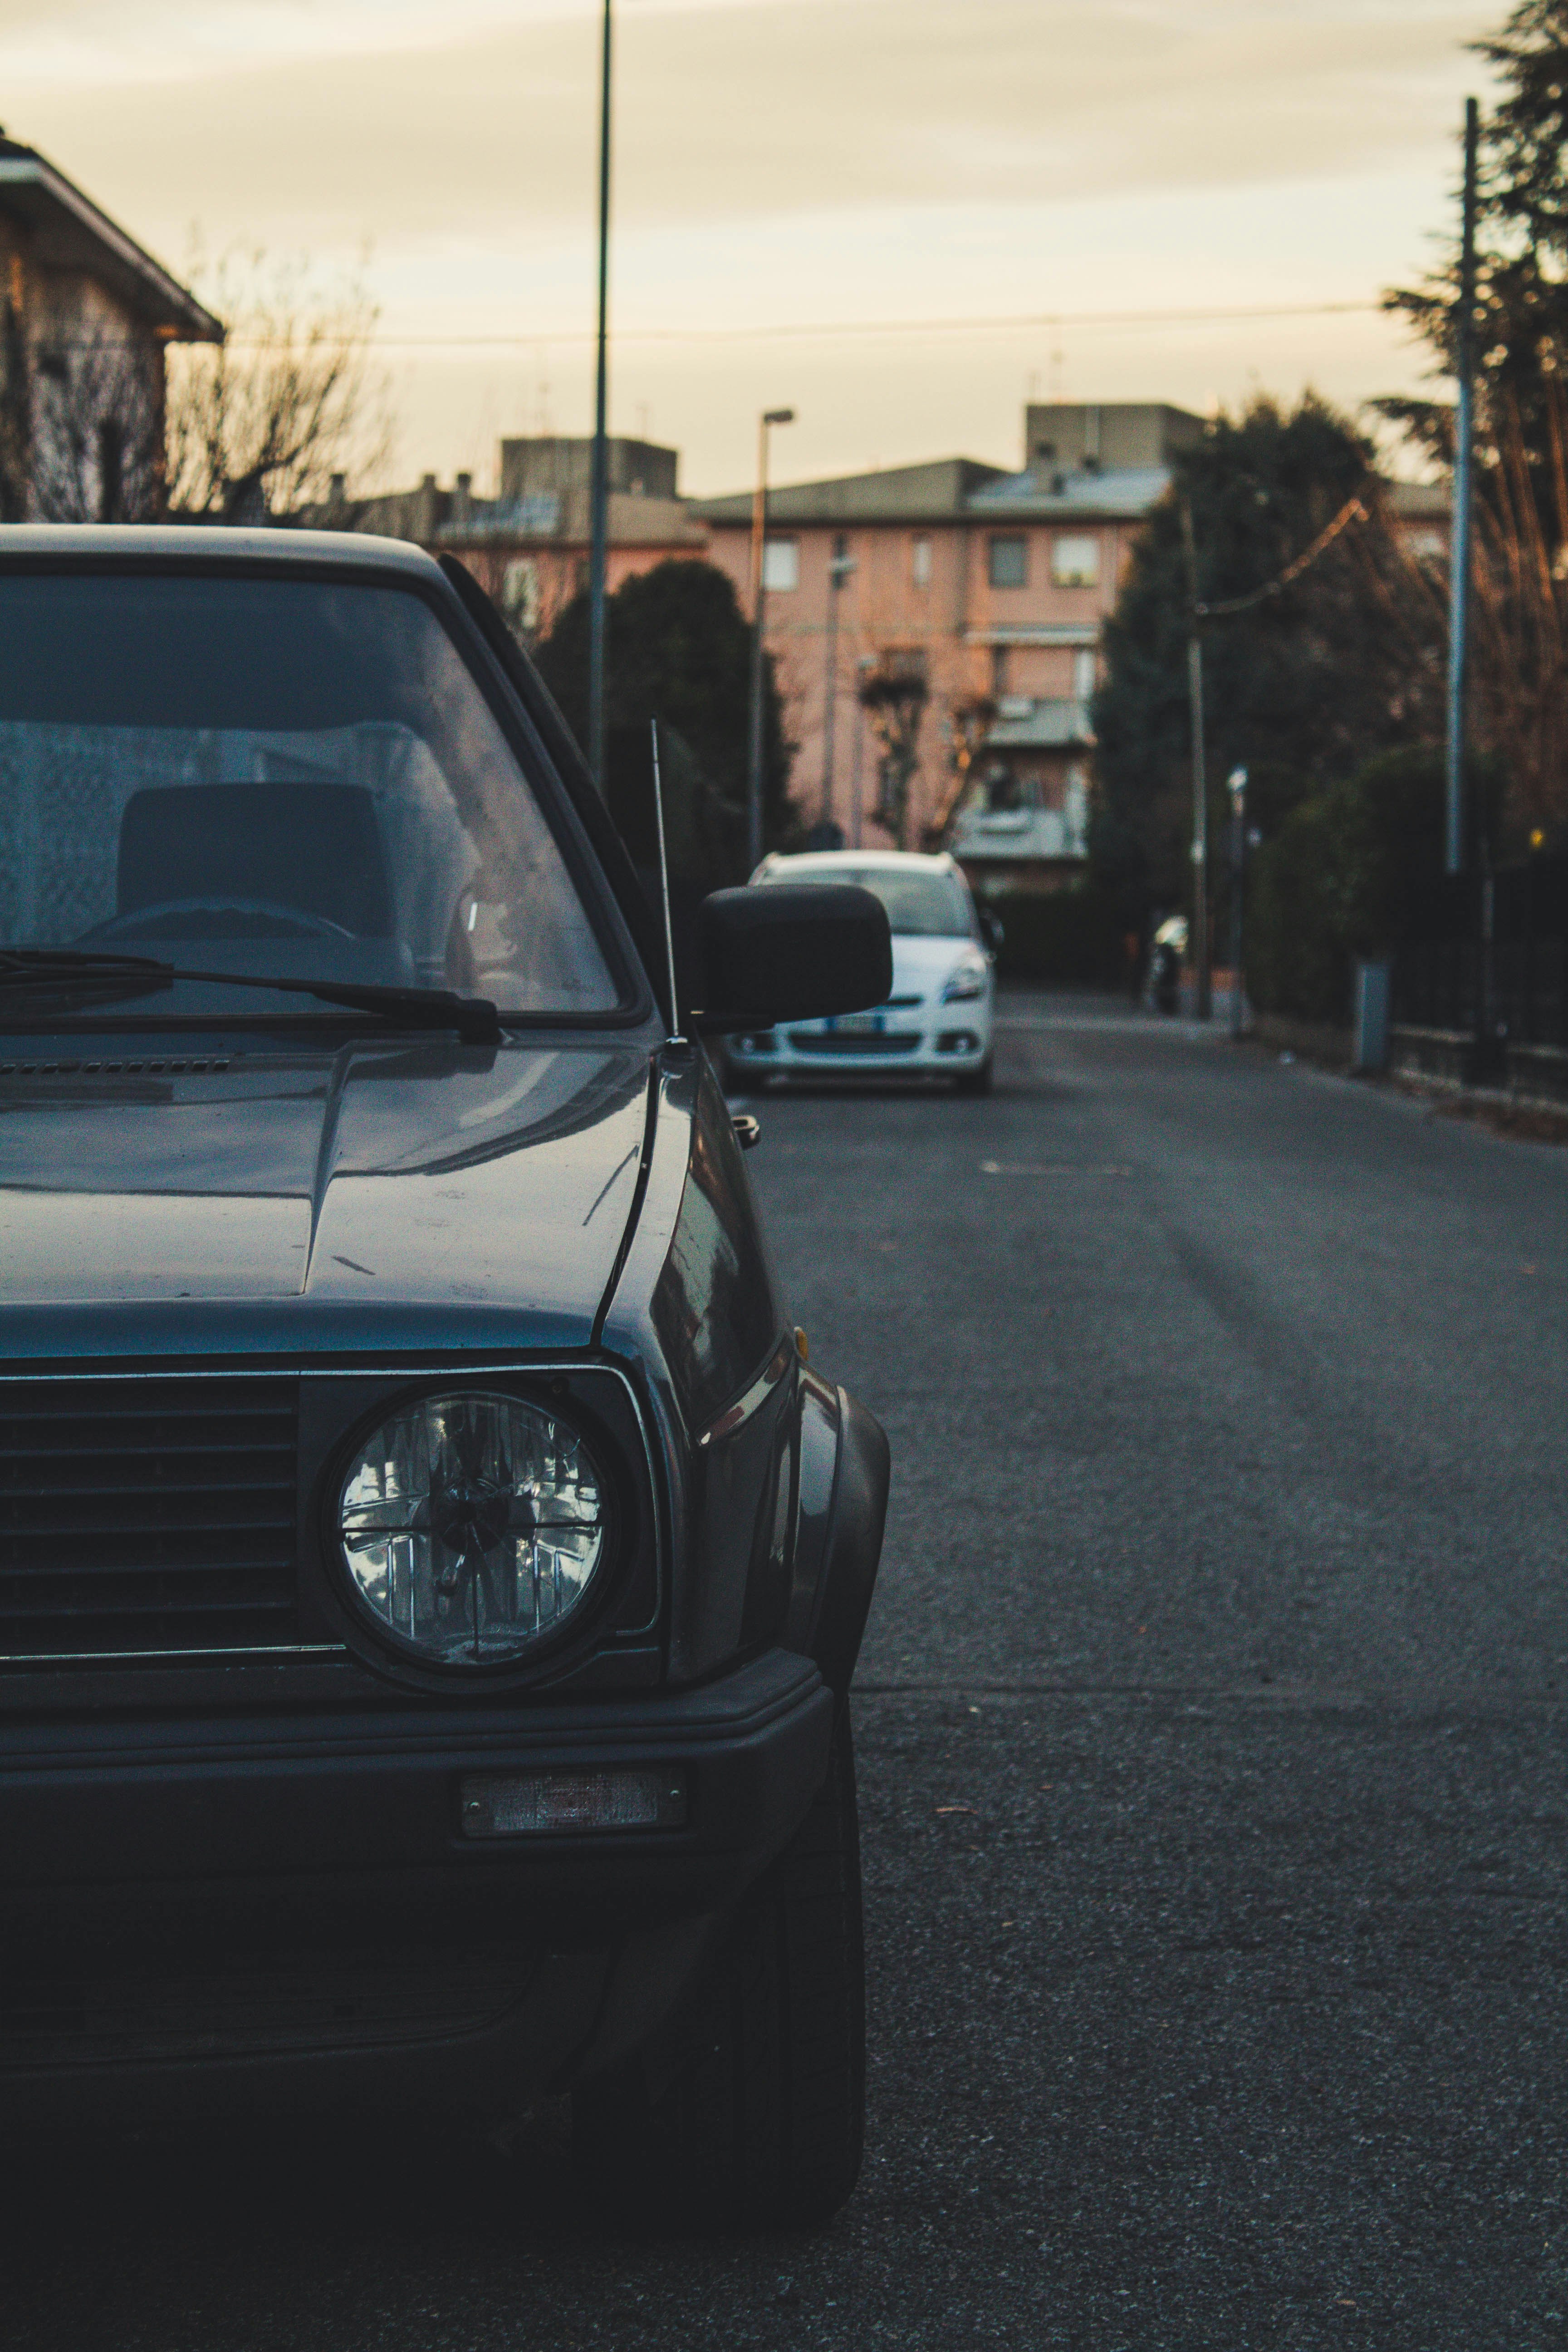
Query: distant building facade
529, 545
85, 317
993, 587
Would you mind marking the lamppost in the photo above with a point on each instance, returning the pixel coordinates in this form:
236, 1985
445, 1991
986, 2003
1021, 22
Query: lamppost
838, 571
1236, 784
770, 417
1200, 937
599, 489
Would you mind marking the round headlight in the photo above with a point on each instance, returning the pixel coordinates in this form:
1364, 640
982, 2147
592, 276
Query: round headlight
472, 1526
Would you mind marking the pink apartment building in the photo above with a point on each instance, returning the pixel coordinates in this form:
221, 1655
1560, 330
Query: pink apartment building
992, 587
529, 545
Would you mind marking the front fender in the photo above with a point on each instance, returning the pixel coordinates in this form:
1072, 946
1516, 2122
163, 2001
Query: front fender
845, 1470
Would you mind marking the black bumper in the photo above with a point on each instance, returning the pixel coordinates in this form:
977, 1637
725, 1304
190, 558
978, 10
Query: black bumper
292, 1863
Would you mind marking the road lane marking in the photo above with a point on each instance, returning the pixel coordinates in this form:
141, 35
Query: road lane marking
1047, 1168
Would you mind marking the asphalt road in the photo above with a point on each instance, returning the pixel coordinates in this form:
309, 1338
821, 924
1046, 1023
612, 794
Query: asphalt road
1211, 1737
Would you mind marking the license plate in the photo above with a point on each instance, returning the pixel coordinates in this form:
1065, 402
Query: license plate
858, 1024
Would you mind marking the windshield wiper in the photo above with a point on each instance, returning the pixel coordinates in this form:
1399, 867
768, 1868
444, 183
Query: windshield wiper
474, 1018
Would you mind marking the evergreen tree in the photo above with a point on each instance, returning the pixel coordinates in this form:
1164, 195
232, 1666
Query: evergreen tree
677, 649
1303, 688
1521, 252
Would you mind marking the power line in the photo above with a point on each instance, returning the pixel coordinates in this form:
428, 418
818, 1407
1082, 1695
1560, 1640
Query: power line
794, 330
801, 329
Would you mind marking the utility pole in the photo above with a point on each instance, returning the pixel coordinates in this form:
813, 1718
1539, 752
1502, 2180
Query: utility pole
857, 763
840, 566
599, 491
769, 418
1460, 545
1203, 1005
1237, 789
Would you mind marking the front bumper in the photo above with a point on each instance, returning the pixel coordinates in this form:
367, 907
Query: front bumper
941, 1040
223, 1910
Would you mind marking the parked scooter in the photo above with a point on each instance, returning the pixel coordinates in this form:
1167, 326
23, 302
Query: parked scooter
1165, 965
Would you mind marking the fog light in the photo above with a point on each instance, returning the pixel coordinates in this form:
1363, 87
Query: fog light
567, 1804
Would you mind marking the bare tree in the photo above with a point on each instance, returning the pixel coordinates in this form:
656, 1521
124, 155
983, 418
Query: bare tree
968, 720
260, 425
1520, 676
894, 697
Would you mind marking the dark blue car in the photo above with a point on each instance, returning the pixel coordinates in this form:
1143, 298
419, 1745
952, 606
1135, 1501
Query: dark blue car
430, 1578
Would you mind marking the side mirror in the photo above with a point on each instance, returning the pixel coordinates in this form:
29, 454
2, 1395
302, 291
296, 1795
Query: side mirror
993, 929
792, 952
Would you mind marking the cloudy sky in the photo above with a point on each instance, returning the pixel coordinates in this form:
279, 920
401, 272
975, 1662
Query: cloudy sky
846, 165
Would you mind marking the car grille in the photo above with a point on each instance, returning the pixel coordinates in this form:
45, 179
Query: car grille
864, 1041
147, 1515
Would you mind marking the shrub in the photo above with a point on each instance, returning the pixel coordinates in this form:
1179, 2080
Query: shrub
1353, 871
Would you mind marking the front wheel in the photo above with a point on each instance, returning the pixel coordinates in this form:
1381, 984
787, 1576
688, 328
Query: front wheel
751, 2110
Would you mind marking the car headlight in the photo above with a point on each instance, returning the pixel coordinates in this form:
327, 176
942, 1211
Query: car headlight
472, 1526
968, 981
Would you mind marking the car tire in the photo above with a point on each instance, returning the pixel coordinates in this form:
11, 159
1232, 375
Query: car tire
974, 1082
749, 2111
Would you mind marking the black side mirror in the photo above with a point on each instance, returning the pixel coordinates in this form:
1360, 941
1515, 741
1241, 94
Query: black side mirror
792, 952
993, 929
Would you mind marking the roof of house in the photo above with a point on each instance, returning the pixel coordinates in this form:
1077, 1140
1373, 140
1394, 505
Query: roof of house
933, 492
953, 490
1121, 494
69, 231
1421, 501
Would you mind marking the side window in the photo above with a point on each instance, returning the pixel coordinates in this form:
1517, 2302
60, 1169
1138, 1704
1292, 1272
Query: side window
1009, 561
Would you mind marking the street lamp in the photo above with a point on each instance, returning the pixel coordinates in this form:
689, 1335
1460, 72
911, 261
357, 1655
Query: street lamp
1237, 787
599, 489
838, 571
770, 417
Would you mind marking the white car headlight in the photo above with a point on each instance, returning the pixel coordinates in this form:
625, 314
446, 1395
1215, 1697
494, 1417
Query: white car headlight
967, 982
472, 1524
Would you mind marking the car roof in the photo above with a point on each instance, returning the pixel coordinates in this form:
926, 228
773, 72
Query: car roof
215, 545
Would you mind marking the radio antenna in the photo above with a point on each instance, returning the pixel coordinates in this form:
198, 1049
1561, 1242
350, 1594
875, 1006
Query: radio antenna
675, 1037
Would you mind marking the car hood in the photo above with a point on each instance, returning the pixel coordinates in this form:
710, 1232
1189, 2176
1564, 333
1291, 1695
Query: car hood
409, 1195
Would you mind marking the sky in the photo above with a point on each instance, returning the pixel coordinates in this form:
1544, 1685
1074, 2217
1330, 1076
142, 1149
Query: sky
870, 170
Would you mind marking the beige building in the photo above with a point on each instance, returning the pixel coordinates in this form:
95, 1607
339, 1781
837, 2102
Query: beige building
529, 545
85, 317
991, 587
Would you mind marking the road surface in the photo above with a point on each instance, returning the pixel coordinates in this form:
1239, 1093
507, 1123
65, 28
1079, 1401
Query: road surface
1211, 1737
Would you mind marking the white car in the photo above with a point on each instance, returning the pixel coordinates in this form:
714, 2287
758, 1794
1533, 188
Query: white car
938, 1020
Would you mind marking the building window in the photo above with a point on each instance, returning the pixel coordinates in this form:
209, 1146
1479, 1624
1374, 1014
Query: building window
920, 560
1075, 560
998, 672
1083, 677
1009, 561
780, 563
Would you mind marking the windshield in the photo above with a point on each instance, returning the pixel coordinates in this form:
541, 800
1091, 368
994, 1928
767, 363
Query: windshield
292, 779
918, 903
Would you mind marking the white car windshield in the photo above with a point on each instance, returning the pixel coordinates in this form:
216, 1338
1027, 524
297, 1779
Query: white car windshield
920, 903
286, 778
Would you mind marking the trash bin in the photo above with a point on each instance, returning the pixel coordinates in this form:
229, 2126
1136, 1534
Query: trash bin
1372, 990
